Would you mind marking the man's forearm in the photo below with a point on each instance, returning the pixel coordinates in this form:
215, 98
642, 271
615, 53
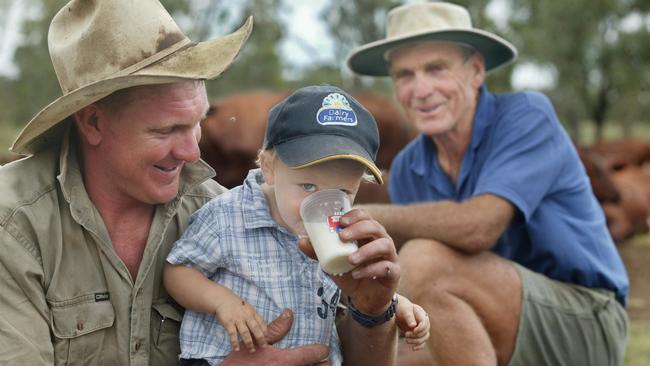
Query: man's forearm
471, 226
368, 346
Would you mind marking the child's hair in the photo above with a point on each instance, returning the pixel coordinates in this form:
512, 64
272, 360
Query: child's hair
271, 154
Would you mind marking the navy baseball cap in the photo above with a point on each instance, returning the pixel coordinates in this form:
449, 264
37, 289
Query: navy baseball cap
321, 123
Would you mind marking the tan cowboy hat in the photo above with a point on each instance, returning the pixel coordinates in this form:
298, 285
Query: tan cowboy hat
100, 46
434, 21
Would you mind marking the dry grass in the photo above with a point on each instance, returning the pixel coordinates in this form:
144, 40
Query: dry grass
638, 349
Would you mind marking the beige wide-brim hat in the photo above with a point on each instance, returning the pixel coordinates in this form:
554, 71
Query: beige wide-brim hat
100, 46
423, 22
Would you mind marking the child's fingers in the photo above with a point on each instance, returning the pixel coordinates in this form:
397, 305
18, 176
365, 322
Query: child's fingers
257, 331
404, 313
423, 326
232, 334
409, 318
419, 313
418, 347
417, 333
416, 341
245, 335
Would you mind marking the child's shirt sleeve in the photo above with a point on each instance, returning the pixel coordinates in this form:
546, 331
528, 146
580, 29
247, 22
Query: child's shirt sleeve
199, 246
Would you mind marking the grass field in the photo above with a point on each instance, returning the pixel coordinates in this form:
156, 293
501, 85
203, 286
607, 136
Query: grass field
638, 350
636, 255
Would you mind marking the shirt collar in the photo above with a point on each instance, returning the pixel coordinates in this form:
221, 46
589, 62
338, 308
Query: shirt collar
482, 116
257, 212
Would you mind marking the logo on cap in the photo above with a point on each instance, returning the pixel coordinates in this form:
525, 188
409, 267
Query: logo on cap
336, 111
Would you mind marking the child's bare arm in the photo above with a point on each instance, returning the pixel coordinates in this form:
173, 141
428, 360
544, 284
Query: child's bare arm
196, 292
413, 321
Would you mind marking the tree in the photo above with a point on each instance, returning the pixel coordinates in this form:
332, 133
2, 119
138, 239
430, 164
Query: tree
500, 79
259, 65
36, 84
353, 23
592, 54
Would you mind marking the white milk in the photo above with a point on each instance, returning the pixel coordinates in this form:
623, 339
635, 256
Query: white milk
332, 253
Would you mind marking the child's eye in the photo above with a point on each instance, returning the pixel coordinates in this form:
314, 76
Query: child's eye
308, 187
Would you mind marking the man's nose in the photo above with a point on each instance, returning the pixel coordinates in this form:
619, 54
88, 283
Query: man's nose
187, 148
422, 87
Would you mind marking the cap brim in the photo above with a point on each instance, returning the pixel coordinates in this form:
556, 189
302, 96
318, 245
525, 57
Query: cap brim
370, 59
314, 149
206, 60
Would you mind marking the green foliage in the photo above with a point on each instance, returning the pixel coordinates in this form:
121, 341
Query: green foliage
259, 65
353, 23
603, 70
37, 84
600, 67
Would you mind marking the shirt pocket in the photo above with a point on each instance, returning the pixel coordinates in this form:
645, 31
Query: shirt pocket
81, 329
165, 326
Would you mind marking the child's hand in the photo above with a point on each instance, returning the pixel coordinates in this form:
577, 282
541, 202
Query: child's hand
239, 317
413, 321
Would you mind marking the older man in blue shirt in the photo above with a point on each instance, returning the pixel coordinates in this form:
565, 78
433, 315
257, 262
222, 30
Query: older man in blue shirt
503, 241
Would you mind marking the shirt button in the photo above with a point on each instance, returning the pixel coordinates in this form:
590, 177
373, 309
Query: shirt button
80, 325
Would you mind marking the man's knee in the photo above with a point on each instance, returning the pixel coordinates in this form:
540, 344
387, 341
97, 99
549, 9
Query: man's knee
427, 266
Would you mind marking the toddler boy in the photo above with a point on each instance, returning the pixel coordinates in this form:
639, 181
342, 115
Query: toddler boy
238, 264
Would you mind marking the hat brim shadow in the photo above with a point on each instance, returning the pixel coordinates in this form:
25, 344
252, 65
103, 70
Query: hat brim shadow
314, 149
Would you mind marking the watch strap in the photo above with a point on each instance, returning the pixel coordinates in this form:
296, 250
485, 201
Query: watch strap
370, 321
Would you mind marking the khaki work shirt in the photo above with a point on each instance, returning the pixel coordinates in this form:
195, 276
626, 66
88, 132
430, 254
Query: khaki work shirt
66, 298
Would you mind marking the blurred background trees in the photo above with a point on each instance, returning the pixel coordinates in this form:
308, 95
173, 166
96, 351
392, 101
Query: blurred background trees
591, 57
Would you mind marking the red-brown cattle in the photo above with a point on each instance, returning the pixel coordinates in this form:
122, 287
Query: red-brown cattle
621, 153
600, 176
234, 131
630, 216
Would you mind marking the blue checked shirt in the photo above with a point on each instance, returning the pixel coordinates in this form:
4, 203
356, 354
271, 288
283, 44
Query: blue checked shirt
234, 241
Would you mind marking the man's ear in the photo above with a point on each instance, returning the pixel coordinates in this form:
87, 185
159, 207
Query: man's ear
87, 123
478, 68
267, 162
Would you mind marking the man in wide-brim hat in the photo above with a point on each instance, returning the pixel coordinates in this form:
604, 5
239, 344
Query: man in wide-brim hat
503, 242
112, 177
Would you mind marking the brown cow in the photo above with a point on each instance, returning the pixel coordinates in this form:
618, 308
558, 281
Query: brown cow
619, 154
599, 174
630, 216
234, 132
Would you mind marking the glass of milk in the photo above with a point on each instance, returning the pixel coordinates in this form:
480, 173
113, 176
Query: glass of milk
321, 212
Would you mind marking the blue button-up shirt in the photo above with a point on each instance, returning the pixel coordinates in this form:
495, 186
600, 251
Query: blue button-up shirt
519, 151
234, 241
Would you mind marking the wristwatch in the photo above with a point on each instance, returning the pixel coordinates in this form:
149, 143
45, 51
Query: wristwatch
370, 321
